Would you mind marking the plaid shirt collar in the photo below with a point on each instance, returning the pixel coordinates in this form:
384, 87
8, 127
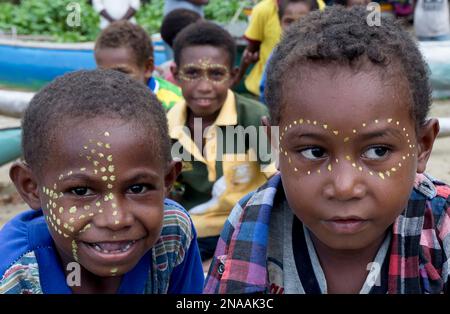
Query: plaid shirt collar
418, 258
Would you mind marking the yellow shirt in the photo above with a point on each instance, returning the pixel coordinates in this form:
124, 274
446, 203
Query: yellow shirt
218, 178
265, 27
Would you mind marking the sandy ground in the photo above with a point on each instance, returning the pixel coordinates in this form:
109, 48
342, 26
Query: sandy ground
11, 203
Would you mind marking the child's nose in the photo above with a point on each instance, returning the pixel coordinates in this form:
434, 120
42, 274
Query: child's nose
115, 216
345, 182
204, 84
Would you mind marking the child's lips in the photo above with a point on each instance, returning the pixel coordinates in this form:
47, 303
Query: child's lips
203, 102
346, 225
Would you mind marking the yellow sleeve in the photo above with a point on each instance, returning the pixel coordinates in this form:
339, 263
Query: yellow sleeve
321, 4
255, 29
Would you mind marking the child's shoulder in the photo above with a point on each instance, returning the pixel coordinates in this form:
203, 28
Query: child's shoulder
249, 111
435, 194
176, 219
250, 204
436, 191
176, 235
19, 271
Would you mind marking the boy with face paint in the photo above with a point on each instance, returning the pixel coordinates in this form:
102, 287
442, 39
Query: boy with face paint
215, 174
127, 48
100, 221
351, 210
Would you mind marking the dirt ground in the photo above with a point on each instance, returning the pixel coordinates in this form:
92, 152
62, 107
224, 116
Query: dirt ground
438, 166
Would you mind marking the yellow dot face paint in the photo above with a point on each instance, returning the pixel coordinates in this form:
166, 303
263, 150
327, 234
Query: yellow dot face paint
64, 219
204, 69
346, 139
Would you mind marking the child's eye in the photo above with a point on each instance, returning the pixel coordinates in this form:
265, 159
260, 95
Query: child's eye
138, 189
217, 75
313, 153
192, 73
378, 152
82, 191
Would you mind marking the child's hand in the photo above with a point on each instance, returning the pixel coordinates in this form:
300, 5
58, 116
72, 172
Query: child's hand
249, 57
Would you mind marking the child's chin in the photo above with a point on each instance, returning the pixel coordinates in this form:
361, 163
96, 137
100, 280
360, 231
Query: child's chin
109, 271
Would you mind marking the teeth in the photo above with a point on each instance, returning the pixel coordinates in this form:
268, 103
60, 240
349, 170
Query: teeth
99, 249
96, 247
126, 247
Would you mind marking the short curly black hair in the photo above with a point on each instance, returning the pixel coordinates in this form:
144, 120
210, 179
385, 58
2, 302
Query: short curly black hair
123, 34
176, 21
204, 33
84, 95
340, 36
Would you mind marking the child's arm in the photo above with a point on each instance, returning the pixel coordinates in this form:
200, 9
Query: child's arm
130, 13
217, 267
188, 277
249, 56
134, 7
100, 8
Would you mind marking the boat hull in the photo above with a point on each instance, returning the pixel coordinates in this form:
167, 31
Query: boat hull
10, 144
31, 65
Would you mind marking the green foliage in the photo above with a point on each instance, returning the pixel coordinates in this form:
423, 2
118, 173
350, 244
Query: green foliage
6, 14
223, 11
48, 17
150, 16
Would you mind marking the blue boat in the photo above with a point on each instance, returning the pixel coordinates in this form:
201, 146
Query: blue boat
32, 64
10, 143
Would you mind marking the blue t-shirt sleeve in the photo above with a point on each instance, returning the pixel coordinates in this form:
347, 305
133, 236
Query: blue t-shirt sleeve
262, 87
263, 82
188, 277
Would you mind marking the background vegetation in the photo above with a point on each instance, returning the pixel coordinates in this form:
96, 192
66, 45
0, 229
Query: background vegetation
48, 17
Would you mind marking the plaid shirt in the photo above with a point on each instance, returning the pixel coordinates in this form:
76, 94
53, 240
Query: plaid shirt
419, 250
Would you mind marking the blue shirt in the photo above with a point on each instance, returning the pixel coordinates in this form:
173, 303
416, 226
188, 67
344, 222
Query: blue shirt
30, 262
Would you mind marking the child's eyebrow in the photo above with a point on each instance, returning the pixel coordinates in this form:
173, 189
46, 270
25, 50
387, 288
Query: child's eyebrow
388, 132
142, 176
78, 176
382, 133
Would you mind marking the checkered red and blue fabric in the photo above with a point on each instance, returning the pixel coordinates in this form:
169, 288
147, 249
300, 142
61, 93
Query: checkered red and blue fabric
419, 249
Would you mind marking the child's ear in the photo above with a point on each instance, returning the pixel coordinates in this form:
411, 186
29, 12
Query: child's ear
268, 129
174, 70
273, 138
172, 173
26, 184
149, 68
233, 75
425, 139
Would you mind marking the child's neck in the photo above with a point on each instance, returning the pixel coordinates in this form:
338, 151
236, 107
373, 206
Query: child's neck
206, 122
90, 283
345, 270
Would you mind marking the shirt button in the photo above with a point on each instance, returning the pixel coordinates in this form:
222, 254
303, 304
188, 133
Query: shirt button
221, 269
